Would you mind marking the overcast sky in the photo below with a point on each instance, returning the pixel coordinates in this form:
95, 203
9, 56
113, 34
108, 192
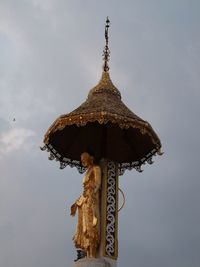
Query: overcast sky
50, 56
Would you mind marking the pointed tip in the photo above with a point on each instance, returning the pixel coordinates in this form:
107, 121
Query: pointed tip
106, 51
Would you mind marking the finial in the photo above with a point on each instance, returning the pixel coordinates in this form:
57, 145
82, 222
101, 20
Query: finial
106, 51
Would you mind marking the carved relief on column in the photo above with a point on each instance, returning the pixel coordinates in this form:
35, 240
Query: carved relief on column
109, 213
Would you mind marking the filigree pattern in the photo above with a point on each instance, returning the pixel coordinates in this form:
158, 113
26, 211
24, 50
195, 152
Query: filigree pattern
122, 167
111, 210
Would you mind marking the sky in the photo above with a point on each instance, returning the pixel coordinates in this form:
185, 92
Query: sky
50, 57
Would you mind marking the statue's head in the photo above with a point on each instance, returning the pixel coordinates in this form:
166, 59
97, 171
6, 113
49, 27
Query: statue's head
86, 159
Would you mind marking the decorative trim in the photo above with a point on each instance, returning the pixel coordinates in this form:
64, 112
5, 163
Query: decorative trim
109, 210
111, 215
101, 117
137, 165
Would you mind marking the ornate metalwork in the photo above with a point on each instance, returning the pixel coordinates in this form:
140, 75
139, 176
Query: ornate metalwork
122, 167
110, 245
106, 51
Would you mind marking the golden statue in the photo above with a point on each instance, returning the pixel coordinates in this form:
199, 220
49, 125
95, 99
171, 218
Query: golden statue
87, 236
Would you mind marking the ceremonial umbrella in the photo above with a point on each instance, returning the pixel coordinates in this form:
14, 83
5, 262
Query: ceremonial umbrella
104, 127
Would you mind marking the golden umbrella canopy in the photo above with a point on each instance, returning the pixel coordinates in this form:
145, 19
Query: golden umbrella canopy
104, 126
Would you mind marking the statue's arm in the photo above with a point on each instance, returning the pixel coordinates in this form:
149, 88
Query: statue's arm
77, 204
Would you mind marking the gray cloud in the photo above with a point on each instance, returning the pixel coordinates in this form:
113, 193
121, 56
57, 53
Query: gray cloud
50, 58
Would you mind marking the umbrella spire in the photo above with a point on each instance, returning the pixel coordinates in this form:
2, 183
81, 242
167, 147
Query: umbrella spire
106, 51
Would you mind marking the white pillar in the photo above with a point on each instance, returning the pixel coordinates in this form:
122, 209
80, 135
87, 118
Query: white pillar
109, 212
93, 262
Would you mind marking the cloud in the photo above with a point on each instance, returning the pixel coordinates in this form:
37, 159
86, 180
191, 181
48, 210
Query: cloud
15, 139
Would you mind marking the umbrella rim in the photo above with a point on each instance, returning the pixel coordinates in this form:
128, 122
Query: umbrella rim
122, 167
102, 117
